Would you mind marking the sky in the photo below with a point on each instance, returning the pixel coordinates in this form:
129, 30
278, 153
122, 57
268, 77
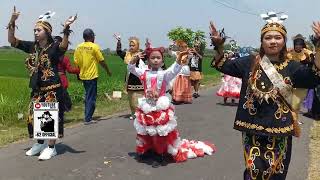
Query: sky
154, 18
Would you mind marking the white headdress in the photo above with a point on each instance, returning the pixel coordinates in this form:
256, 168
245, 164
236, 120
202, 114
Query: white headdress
46, 16
272, 17
43, 20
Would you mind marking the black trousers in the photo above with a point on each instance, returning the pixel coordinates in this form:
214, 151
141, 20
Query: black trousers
266, 157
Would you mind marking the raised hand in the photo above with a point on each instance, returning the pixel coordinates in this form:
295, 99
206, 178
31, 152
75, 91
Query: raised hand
137, 57
117, 36
14, 15
148, 44
192, 50
182, 56
215, 36
316, 29
70, 20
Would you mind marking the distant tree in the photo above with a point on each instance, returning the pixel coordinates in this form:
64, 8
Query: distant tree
107, 51
181, 33
201, 37
189, 36
6, 47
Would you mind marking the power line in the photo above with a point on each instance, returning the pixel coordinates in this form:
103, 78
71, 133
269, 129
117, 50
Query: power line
239, 10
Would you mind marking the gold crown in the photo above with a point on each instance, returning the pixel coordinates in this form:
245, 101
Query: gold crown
46, 25
274, 27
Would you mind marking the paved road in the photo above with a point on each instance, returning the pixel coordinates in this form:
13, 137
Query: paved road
105, 150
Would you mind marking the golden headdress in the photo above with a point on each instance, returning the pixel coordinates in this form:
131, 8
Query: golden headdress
129, 55
135, 40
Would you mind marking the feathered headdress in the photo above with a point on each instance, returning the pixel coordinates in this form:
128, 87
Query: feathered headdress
274, 22
43, 21
46, 16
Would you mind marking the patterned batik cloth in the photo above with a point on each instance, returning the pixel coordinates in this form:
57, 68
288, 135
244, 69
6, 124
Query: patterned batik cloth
266, 157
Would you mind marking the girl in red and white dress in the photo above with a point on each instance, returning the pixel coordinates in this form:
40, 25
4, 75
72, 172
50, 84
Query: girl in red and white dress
231, 86
155, 121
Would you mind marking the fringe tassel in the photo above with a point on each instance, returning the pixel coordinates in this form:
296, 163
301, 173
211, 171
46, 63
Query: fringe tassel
296, 127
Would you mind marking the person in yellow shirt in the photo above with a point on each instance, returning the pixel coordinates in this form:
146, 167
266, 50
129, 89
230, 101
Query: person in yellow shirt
87, 56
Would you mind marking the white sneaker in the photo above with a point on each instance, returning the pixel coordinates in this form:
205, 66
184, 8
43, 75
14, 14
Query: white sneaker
47, 153
36, 148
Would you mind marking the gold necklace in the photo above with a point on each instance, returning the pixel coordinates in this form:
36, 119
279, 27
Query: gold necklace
281, 65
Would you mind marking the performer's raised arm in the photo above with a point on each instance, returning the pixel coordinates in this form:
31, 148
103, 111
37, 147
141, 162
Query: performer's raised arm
235, 67
137, 71
66, 32
12, 26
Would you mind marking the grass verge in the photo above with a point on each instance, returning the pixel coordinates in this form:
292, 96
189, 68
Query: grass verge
314, 148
